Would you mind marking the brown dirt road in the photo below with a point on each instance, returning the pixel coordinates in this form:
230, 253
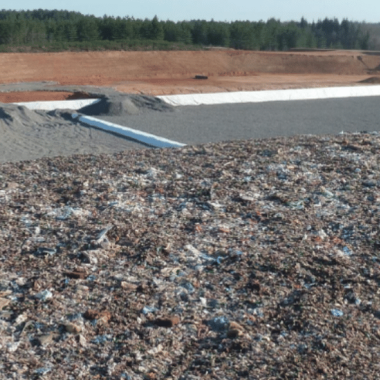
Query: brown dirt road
162, 72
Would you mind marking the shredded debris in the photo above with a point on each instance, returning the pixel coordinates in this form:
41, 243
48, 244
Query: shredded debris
252, 259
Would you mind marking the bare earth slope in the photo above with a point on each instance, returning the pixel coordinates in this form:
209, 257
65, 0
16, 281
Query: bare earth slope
158, 72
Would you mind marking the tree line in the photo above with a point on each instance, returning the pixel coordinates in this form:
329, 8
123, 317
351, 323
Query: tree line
60, 30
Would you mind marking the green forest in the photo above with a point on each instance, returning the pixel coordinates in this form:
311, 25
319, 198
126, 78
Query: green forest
45, 30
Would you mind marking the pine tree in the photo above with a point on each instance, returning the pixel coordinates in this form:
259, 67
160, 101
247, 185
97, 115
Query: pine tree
156, 31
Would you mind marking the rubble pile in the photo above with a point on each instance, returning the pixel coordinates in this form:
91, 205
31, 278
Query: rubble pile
252, 259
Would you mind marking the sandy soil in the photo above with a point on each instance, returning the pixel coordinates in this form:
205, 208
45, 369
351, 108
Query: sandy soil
158, 73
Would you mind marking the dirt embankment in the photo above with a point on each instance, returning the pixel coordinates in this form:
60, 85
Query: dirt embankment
158, 72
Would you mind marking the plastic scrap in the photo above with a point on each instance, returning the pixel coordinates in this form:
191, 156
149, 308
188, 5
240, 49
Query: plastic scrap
102, 234
44, 295
219, 323
148, 309
347, 251
48, 251
337, 313
66, 212
42, 370
101, 339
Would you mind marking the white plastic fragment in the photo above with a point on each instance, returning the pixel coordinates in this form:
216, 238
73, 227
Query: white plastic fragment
12, 347
193, 250
298, 205
337, 313
219, 323
101, 339
188, 286
207, 258
347, 251
326, 193
21, 281
66, 212
203, 301
20, 319
322, 234
42, 370
148, 309
155, 350
82, 340
44, 295
102, 234
47, 251
105, 243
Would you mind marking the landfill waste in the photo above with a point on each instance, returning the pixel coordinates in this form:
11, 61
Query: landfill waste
168, 263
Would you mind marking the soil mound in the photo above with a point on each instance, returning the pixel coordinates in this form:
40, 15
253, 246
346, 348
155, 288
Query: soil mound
125, 105
371, 80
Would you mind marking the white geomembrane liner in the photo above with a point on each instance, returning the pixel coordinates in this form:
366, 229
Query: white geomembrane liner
270, 96
59, 104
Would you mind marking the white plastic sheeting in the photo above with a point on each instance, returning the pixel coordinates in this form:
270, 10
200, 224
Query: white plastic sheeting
60, 104
146, 138
270, 96
228, 97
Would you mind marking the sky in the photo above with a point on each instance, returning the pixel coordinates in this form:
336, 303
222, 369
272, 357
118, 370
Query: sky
219, 10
